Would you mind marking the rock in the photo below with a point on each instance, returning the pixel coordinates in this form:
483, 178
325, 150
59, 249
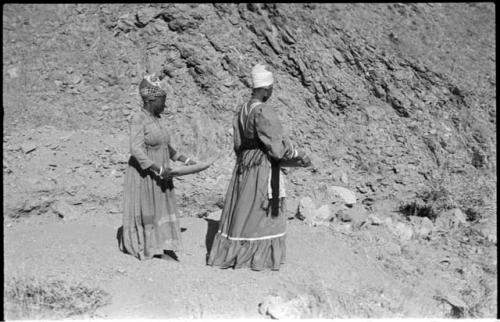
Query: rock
323, 213
39, 205
337, 55
220, 202
28, 147
145, 15
336, 208
76, 79
214, 215
344, 228
345, 194
306, 209
452, 218
423, 226
374, 220
277, 308
343, 178
292, 207
403, 231
126, 22
13, 72
457, 307
113, 209
459, 216
362, 188
492, 238
65, 210
393, 249
367, 201
357, 215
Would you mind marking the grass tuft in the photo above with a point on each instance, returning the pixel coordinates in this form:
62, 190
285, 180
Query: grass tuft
31, 298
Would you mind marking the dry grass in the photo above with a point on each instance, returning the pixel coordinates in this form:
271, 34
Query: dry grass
34, 298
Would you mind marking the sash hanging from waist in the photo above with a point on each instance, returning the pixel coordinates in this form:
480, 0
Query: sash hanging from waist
274, 187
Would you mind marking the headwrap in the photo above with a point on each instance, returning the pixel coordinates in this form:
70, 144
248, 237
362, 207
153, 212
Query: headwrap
150, 88
261, 77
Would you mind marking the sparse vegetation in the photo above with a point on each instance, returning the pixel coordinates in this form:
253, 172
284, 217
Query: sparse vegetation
472, 215
417, 208
33, 298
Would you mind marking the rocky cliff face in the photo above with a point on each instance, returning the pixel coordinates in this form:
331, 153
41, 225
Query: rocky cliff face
397, 97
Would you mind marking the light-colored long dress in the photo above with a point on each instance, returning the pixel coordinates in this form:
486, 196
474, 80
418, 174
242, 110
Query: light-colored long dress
150, 223
252, 227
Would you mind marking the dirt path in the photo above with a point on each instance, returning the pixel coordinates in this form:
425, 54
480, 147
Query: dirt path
86, 250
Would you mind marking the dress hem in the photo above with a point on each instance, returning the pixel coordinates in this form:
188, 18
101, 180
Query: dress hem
256, 254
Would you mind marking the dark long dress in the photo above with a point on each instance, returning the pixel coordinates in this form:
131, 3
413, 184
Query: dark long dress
252, 227
150, 223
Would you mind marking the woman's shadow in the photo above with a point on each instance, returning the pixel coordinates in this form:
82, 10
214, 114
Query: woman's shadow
212, 228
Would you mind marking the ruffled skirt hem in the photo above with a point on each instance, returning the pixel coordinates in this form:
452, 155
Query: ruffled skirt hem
255, 254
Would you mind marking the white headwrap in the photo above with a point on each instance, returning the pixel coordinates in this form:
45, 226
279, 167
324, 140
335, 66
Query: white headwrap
261, 77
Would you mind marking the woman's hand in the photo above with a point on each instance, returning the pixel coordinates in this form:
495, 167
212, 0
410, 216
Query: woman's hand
162, 171
304, 159
165, 171
155, 169
186, 160
165, 174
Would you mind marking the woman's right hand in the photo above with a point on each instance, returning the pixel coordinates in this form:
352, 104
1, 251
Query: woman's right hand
155, 168
164, 170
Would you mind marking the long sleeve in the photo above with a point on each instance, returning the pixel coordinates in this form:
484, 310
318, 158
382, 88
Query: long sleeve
270, 133
136, 126
236, 134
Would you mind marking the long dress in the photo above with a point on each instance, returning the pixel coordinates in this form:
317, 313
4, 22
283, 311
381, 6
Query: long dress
150, 223
252, 228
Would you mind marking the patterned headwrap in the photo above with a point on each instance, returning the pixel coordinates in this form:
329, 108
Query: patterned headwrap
150, 89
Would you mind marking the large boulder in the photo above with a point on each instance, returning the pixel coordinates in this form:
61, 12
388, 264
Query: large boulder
451, 219
344, 194
306, 209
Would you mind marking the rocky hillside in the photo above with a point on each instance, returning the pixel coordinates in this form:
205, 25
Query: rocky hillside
396, 96
396, 102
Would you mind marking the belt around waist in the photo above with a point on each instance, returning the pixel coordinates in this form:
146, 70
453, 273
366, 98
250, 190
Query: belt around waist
251, 146
153, 147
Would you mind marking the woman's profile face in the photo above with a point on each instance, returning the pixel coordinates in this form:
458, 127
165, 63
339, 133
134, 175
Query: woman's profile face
269, 92
159, 104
